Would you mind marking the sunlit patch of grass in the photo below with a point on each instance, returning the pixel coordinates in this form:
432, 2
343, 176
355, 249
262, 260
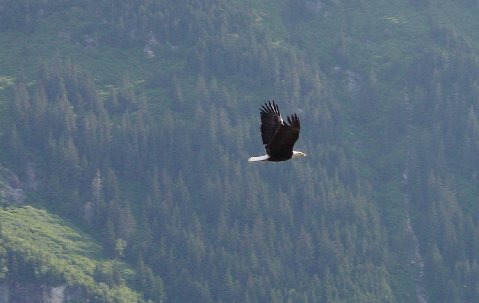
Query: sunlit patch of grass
59, 250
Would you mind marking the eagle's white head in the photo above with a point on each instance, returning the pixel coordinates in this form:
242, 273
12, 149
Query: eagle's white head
298, 154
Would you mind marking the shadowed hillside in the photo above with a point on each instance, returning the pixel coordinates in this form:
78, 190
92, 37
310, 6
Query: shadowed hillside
133, 121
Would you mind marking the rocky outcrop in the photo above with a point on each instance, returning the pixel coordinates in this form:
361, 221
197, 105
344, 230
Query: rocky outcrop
12, 188
26, 293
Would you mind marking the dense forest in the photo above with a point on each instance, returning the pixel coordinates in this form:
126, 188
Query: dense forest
128, 124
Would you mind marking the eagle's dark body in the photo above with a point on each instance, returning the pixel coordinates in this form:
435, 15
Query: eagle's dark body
278, 136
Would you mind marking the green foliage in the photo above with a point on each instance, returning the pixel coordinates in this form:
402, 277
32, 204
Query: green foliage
47, 247
138, 124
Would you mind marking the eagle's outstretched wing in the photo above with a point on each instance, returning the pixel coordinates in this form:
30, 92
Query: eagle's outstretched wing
285, 137
278, 137
271, 120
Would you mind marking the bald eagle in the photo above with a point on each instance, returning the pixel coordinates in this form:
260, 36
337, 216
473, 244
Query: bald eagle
278, 136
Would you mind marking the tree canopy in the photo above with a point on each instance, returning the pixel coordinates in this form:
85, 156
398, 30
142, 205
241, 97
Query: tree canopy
133, 120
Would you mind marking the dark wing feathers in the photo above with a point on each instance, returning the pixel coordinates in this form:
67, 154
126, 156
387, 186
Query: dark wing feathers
278, 137
293, 121
270, 121
285, 137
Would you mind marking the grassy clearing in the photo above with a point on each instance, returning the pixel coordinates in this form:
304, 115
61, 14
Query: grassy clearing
59, 250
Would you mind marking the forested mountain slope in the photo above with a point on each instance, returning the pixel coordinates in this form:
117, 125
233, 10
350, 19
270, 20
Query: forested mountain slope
133, 120
42, 247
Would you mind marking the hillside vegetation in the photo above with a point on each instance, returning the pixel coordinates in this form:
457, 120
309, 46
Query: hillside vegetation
135, 119
42, 247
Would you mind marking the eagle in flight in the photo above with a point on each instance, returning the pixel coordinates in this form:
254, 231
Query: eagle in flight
278, 136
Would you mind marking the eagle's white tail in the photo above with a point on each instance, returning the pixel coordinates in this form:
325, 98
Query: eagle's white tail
260, 158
